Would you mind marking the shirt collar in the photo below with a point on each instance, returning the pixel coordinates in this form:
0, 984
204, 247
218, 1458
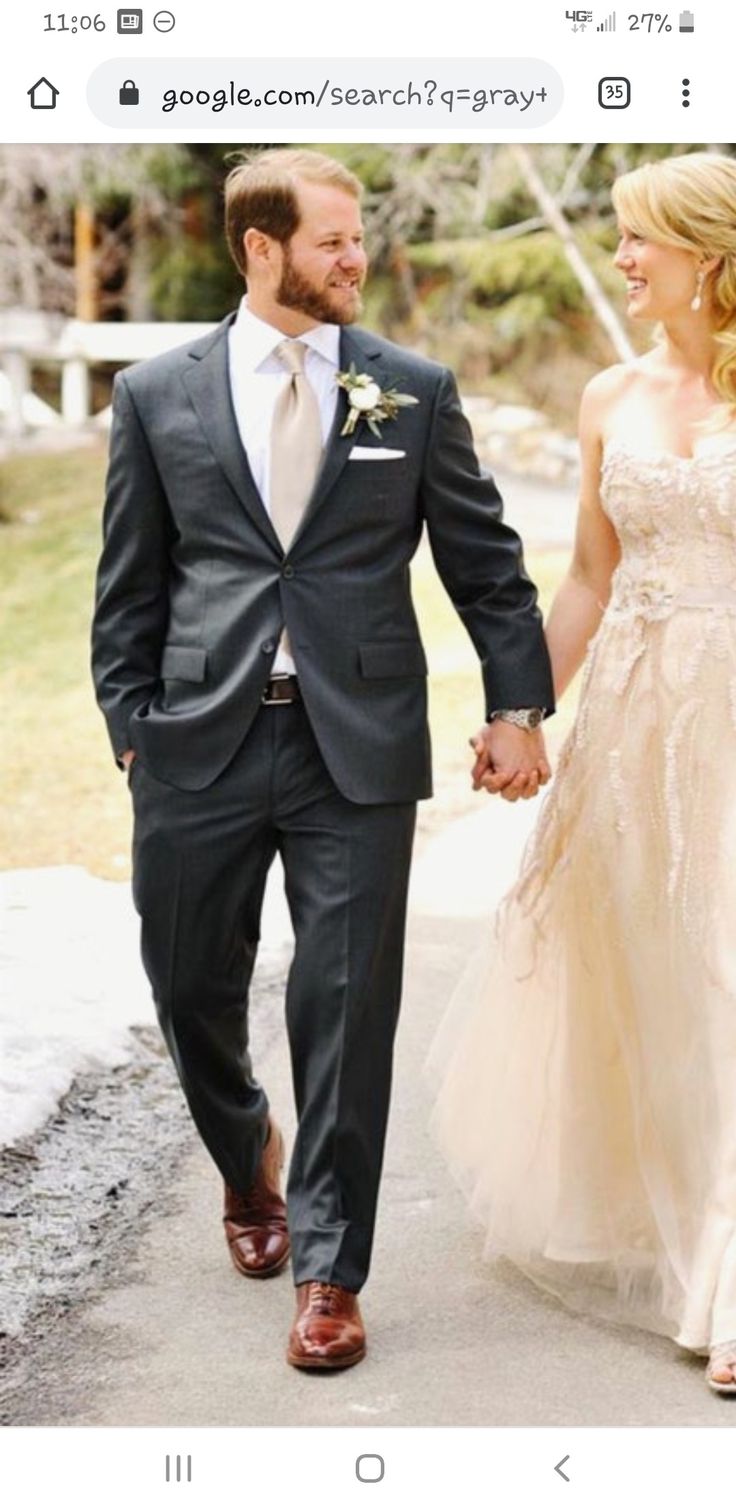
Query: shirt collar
255, 339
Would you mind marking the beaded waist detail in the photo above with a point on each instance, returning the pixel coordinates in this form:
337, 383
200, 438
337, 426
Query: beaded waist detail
645, 598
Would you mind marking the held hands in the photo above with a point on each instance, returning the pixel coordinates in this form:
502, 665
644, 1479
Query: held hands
509, 761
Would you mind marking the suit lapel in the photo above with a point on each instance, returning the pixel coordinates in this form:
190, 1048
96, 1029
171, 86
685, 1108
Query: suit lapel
360, 348
208, 383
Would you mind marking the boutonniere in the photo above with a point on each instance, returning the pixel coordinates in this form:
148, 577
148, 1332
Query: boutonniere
369, 402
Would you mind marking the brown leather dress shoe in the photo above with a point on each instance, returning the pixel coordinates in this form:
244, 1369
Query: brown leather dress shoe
255, 1224
328, 1332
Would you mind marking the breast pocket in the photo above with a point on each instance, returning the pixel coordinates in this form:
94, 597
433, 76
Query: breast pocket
375, 455
382, 490
369, 472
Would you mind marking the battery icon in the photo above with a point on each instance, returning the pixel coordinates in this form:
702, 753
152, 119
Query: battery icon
687, 21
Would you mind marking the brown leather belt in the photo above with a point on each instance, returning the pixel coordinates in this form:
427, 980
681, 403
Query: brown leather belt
282, 690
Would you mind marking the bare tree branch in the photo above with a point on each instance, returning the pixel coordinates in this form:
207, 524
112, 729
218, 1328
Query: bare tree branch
555, 218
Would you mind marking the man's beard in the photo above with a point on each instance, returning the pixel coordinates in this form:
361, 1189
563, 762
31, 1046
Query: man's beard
296, 292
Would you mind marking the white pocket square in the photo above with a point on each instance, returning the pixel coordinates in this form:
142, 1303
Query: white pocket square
374, 454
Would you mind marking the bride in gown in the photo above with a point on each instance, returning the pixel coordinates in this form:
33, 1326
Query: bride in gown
587, 1099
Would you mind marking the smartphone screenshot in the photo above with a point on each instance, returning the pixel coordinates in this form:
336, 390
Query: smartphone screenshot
368, 667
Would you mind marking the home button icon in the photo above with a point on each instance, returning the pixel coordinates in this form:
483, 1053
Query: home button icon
43, 94
370, 1467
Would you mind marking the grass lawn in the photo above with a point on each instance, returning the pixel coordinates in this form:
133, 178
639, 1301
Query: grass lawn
65, 801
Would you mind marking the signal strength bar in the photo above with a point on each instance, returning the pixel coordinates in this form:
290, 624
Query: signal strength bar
609, 24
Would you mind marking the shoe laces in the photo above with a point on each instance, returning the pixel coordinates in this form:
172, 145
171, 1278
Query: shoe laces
324, 1296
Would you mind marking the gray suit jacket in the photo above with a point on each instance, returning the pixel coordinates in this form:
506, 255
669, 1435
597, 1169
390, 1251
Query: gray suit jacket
194, 587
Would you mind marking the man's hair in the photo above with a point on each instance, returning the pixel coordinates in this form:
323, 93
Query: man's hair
261, 191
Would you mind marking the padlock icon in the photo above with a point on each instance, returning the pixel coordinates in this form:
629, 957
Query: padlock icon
129, 94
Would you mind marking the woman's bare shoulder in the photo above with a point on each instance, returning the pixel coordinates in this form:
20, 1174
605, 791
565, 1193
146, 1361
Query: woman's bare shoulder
603, 393
612, 382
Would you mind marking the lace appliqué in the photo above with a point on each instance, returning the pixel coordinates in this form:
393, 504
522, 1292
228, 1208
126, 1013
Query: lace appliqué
618, 789
682, 722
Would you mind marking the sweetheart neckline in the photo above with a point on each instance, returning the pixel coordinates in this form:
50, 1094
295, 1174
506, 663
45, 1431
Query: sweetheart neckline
658, 454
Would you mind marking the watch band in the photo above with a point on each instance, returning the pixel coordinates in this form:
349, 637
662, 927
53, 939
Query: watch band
524, 719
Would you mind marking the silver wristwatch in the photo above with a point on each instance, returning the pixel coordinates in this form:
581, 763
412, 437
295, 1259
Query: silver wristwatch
526, 719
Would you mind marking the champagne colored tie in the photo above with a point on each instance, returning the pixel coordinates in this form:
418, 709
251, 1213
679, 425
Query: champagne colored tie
296, 444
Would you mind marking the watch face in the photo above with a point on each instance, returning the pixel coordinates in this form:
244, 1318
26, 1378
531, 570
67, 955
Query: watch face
535, 718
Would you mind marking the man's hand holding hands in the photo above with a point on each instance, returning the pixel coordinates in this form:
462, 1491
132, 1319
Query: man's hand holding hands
509, 760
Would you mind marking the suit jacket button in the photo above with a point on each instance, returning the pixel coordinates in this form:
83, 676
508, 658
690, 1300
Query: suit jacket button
268, 648
287, 571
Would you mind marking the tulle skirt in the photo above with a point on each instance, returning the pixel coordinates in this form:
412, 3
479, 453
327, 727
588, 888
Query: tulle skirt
587, 1064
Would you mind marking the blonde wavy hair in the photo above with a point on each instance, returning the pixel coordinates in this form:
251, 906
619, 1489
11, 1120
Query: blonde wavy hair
690, 202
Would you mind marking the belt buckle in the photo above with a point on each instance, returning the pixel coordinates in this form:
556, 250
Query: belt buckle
283, 677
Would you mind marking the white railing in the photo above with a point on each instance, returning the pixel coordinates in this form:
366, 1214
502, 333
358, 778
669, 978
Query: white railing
28, 338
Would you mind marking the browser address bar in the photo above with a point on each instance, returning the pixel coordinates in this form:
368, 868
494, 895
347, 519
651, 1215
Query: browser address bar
506, 93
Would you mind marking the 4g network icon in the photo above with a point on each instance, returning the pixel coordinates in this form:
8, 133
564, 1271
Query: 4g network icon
580, 19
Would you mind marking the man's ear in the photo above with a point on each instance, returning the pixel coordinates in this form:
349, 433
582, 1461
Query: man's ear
258, 247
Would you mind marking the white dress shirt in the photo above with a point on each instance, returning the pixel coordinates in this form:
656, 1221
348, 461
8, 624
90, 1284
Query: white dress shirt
256, 378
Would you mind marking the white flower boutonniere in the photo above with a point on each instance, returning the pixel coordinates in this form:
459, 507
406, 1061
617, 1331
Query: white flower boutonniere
369, 402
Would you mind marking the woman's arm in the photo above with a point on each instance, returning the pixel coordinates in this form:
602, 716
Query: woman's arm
579, 602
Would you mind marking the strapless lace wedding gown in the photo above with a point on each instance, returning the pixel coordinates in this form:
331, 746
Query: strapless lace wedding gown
588, 1064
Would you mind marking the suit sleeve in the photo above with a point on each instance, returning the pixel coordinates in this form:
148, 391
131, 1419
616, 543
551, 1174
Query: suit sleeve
131, 602
480, 562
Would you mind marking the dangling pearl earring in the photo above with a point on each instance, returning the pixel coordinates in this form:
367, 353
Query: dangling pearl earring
698, 300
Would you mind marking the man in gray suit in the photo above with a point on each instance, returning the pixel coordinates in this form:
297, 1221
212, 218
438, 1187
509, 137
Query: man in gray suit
257, 658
